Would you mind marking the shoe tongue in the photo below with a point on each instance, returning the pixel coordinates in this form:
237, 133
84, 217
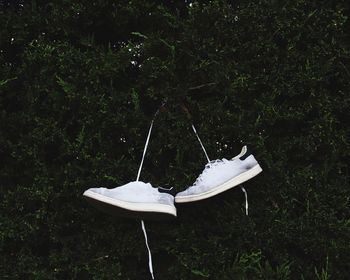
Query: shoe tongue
215, 162
138, 184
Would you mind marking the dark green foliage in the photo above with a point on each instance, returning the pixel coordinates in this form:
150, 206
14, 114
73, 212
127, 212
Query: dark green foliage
79, 83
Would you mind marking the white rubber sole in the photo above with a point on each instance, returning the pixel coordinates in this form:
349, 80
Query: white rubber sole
132, 206
239, 179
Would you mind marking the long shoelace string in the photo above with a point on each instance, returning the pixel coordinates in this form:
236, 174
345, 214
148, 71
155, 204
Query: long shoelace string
150, 264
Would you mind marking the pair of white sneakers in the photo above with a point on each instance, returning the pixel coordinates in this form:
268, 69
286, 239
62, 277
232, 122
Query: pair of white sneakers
141, 200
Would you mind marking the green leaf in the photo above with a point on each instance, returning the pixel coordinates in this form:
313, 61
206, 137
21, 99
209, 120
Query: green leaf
138, 34
4, 82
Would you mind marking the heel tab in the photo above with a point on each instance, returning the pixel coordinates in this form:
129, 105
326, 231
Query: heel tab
246, 152
170, 191
242, 153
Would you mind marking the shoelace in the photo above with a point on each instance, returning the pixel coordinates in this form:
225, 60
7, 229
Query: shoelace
246, 199
150, 264
208, 166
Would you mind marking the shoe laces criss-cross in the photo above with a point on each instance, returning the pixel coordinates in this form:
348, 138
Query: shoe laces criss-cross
208, 170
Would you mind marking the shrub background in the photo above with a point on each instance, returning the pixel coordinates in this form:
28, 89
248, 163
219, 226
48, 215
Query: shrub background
79, 83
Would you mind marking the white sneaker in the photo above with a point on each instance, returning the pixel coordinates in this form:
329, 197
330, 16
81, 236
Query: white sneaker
221, 175
135, 199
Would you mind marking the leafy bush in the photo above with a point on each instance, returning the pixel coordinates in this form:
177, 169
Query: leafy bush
79, 84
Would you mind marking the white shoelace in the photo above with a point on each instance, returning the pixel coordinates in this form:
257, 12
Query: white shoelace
208, 166
200, 142
246, 199
150, 264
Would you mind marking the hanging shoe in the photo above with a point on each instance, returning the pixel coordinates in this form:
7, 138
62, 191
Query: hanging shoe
221, 175
134, 200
